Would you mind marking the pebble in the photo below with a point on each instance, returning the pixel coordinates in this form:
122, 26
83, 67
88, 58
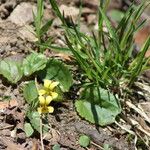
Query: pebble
69, 11
22, 14
26, 32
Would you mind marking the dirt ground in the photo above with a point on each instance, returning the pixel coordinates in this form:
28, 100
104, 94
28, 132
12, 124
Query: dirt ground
16, 41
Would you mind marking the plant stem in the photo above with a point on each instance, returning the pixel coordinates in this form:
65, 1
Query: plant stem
41, 133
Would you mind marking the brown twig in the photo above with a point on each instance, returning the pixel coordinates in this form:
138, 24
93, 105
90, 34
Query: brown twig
41, 133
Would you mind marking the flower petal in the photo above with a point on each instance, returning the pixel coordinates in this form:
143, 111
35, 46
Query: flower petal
39, 109
42, 100
53, 85
43, 110
47, 83
54, 95
48, 100
50, 109
41, 92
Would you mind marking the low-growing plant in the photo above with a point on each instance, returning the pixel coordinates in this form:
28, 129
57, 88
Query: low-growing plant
36, 65
106, 61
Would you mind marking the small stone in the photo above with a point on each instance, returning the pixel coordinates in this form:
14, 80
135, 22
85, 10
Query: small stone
26, 33
13, 133
91, 19
22, 14
84, 29
69, 11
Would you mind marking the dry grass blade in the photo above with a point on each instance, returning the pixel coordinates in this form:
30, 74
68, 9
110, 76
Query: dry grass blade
124, 128
138, 126
139, 111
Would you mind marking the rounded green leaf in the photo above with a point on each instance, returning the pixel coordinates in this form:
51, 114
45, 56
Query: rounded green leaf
101, 115
99, 96
56, 70
34, 62
11, 70
98, 106
34, 118
30, 92
28, 129
84, 141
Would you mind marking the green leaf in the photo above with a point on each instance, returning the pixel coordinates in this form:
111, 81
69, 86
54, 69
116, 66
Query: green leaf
46, 26
84, 141
137, 64
106, 147
34, 62
95, 113
11, 70
56, 48
56, 147
56, 10
30, 92
56, 70
34, 118
98, 106
98, 96
28, 129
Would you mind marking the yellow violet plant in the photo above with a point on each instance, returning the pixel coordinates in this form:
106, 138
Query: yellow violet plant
46, 95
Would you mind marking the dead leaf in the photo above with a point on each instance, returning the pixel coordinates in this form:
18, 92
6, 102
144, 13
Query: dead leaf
141, 36
35, 145
11, 145
8, 104
64, 56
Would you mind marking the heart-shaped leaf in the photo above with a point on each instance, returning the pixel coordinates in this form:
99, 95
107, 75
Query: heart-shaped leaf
34, 118
98, 106
34, 62
28, 129
56, 70
99, 96
30, 92
11, 70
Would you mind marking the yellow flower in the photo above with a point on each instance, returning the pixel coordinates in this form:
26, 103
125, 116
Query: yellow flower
49, 89
44, 110
44, 102
50, 84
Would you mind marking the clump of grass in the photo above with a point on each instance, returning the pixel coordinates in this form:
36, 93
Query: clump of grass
111, 65
104, 57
